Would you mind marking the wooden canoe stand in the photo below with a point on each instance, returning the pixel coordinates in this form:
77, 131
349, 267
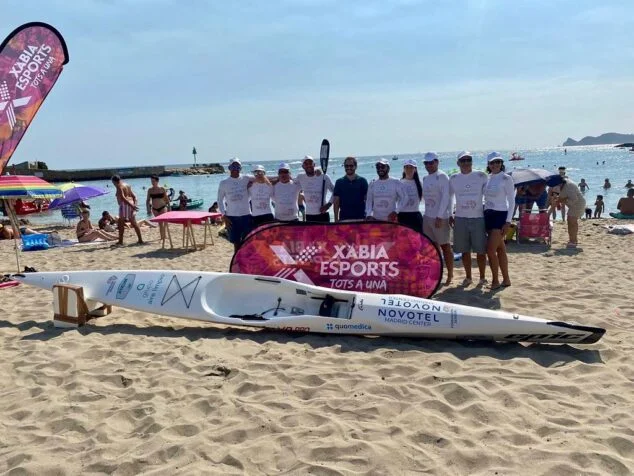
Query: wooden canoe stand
71, 310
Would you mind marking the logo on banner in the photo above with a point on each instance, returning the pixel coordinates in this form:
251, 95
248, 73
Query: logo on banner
291, 263
8, 105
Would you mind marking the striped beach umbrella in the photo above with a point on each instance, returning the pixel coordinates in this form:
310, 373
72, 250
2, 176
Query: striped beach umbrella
26, 187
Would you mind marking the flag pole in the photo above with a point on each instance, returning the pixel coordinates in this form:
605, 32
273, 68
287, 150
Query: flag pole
8, 206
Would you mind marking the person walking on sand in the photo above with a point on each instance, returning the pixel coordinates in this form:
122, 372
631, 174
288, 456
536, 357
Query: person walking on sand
437, 209
127, 208
383, 194
499, 198
469, 232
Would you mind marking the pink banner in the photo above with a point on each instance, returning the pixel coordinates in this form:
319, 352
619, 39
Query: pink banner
31, 59
376, 257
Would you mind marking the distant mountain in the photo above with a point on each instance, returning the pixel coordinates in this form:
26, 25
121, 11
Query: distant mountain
607, 138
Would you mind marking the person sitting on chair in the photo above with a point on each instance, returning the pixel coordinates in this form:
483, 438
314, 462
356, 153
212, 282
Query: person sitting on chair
85, 231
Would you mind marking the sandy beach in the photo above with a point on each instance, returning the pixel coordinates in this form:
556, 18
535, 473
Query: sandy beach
136, 393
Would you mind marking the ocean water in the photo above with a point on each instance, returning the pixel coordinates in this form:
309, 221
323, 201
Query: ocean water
594, 163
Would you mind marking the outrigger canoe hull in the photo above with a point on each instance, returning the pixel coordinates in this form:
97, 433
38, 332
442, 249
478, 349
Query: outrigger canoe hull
268, 302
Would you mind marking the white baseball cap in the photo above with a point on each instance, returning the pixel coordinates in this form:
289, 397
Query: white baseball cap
382, 161
308, 157
411, 162
494, 156
430, 157
464, 153
259, 168
234, 160
283, 166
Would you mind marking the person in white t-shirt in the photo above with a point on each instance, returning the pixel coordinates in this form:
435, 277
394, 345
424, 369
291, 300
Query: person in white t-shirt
260, 193
383, 194
499, 202
469, 234
286, 195
233, 203
409, 208
437, 209
314, 188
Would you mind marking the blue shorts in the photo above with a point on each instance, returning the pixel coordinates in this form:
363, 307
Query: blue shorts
240, 228
494, 219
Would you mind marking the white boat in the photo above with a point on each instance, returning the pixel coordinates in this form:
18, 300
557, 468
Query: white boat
262, 301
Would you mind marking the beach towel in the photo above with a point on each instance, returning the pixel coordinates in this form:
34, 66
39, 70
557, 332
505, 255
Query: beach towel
621, 216
620, 229
6, 282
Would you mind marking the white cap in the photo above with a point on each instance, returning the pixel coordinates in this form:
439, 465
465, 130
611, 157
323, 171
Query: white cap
308, 157
411, 162
493, 156
283, 166
234, 160
464, 153
259, 168
430, 157
382, 161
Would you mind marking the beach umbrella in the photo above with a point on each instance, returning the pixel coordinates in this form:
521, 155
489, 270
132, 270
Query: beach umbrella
25, 187
75, 192
531, 176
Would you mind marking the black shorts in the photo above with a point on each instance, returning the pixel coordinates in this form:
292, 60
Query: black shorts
262, 219
320, 218
413, 220
494, 219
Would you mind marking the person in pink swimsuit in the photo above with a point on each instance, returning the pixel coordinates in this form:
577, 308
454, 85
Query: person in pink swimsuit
127, 208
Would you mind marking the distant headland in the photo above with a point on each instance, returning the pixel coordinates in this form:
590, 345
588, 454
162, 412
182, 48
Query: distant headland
607, 138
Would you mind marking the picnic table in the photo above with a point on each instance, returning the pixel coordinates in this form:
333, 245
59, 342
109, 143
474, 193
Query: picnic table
188, 219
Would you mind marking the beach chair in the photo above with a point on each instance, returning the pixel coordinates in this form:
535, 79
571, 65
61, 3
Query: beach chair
535, 227
70, 213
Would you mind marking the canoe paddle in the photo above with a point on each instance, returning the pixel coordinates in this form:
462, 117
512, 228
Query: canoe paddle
324, 154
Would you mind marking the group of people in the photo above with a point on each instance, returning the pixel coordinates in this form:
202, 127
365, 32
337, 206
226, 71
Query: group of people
484, 204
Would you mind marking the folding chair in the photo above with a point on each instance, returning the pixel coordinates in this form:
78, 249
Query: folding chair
70, 212
536, 227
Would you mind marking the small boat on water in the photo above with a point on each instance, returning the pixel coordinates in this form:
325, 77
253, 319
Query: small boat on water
516, 156
395, 157
28, 207
192, 203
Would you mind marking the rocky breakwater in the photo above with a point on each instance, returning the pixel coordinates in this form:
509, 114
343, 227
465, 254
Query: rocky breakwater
204, 169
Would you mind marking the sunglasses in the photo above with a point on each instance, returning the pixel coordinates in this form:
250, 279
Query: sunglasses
235, 167
259, 172
465, 160
496, 162
381, 166
283, 172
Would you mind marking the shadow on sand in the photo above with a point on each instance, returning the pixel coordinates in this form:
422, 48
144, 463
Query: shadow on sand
545, 355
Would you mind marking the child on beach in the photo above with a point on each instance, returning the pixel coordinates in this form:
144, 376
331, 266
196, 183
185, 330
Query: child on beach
599, 206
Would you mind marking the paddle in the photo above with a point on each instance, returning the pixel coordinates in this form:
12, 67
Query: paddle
324, 154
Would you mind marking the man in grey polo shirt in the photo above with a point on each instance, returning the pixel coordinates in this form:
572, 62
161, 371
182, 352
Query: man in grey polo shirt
469, 233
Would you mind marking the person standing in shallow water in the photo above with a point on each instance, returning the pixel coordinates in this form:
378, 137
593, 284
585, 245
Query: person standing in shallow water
127, 208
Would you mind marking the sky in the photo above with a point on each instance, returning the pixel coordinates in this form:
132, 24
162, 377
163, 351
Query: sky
148, 80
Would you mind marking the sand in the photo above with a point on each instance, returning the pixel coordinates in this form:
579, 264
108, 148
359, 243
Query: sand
137, 393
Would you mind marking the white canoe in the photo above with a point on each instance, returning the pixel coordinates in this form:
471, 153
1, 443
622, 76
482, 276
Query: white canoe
261, 301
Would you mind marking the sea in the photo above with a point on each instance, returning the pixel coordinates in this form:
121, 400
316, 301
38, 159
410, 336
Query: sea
593, 163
